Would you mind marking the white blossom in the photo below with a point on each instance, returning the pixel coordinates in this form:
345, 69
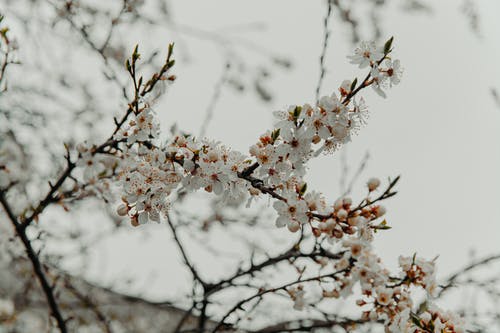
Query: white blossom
366, 53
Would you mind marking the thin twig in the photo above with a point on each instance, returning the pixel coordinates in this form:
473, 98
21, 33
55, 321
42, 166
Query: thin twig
261, 293
209, 113
326, 36
452, 278
89, 303
187, 261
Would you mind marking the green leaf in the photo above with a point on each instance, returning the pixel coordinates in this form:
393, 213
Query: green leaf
275, 134
296, 112
388, 45
415, 320
353, 84
303, 189
382, 226
136, 54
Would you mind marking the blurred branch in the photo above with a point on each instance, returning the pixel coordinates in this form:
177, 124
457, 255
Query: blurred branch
52, 196
215, 98
187, 261
88, 303
263, 292
357, 174
450, 281
292, 254
496, 97
346, 16
310, 325
471, 13
37, 266
326, 35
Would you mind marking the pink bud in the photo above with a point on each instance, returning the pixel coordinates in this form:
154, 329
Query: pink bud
373, 184
122, 210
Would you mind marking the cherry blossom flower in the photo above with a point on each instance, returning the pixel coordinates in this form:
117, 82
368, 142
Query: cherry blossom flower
91, 166
298, 296
373, 184
365, 54
294, 210
384, 295
394, 71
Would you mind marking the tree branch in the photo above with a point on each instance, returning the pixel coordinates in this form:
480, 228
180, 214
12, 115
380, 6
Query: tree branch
37, 266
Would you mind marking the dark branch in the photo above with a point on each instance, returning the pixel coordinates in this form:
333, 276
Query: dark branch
37, 266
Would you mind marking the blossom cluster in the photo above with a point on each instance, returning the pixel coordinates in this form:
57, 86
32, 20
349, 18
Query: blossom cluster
368, 54
297, 294
149, 171
389, 298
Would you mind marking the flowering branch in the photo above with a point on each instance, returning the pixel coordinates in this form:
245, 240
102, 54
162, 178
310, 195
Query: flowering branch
151, 172
450, 281
148, 172
54, 195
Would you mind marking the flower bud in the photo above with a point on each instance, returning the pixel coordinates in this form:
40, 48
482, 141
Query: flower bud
360, 302
330, 224
181, 141
253, 191
254, 150
342, 214
373, 184
81, 148
379, 211
134, 221
293, 226
338, 233
349, 230
425, 317
354, 221
338, 204
122, 210
213, 156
